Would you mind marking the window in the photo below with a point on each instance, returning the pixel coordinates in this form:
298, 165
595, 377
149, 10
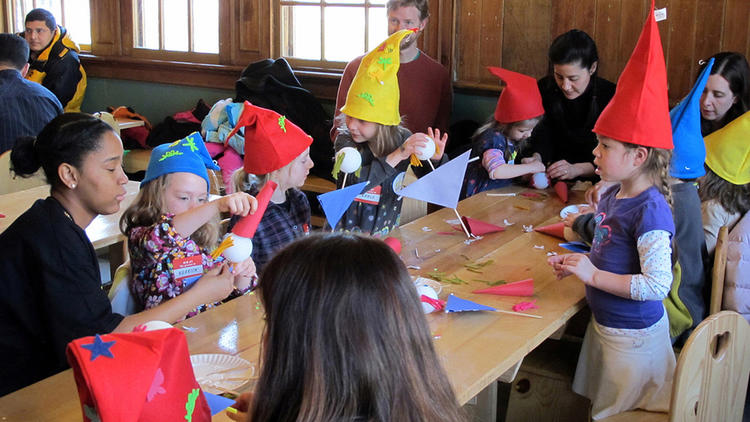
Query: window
74, 15
322, 32
176, 25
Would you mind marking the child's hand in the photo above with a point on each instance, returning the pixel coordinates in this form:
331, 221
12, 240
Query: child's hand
536, 165
239, 203
439, 142
242, 404
556, 262
216, 284
580, 265
243, 273
409, 147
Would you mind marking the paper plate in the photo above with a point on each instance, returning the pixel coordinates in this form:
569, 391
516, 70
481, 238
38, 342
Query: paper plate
570, 209
429, 282
217, 373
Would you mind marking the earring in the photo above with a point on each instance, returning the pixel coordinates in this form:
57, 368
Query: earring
73, 186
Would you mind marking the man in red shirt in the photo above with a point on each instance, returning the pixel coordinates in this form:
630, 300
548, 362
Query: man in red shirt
426, 93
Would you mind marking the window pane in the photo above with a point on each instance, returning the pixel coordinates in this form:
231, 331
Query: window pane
19, 14
378, 2
301, 35
344, 33
378, 28
346, 1
206, 26
175, 20
78, 20
53, 6
146, 23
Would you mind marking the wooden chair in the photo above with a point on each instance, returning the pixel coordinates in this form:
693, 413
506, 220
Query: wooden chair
711, 378
136, 160
10, 183
717, 274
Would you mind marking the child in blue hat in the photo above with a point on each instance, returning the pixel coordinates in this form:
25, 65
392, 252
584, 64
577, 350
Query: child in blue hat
171, 226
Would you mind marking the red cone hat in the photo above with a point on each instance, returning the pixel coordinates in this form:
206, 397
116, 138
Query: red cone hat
639, 111
557, 230
520, 99
561, 189
248, 224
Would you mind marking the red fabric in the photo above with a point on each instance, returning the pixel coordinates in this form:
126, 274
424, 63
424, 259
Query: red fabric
557, 230
151, 364
520, 99
639, 111
271, 140
228, 162
394, 243
518, 288
247, 225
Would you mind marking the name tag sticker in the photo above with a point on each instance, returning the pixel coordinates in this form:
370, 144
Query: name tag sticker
371, 197
660, 14
188, 269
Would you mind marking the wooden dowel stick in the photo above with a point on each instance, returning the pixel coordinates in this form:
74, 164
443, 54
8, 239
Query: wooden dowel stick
463, 226
519, 314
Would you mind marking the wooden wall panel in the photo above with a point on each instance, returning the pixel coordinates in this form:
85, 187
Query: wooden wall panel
694, 30
526, 35
736, 25
105, 37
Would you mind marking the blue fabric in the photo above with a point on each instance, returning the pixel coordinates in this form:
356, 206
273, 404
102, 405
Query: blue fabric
689, 150
619, 224
187, 155
25, 108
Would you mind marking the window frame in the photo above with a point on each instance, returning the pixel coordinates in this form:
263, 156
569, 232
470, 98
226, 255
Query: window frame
8, 24
247, 34
319, 65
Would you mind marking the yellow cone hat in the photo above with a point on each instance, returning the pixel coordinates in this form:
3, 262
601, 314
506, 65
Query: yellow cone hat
373, 95
728, 151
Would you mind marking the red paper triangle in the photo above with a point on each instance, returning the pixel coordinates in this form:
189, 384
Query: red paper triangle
248, 224
518, 288
479, 227
557, 230
561, 188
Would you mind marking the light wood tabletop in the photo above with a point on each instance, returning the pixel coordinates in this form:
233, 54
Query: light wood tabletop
474, 347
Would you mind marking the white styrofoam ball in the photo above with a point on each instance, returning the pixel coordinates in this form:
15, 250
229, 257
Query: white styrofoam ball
156, 325
241, 250
540, 180
429, 292
428, 151
352, 159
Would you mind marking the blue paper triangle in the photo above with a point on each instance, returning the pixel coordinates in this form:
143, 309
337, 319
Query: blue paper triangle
689, 149
217, 403
579, 247
335, 203
456, 304
442, 186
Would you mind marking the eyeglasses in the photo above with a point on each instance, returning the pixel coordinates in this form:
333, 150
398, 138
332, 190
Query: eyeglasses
38, 31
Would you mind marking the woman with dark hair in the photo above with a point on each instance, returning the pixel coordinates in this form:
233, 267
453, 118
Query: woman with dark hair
345, 339
50, 290
573, 97
727, 93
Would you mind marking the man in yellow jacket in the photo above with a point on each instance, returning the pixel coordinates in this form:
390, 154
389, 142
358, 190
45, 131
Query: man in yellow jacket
54, 61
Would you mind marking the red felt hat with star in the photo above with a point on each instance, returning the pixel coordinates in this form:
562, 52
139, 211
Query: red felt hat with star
520, 99
144, 376
271, 140
639, 111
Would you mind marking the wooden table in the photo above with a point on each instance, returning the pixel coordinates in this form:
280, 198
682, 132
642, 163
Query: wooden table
475, 348
104, 230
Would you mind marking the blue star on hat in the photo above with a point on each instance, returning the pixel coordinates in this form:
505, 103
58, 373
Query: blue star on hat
99, 348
